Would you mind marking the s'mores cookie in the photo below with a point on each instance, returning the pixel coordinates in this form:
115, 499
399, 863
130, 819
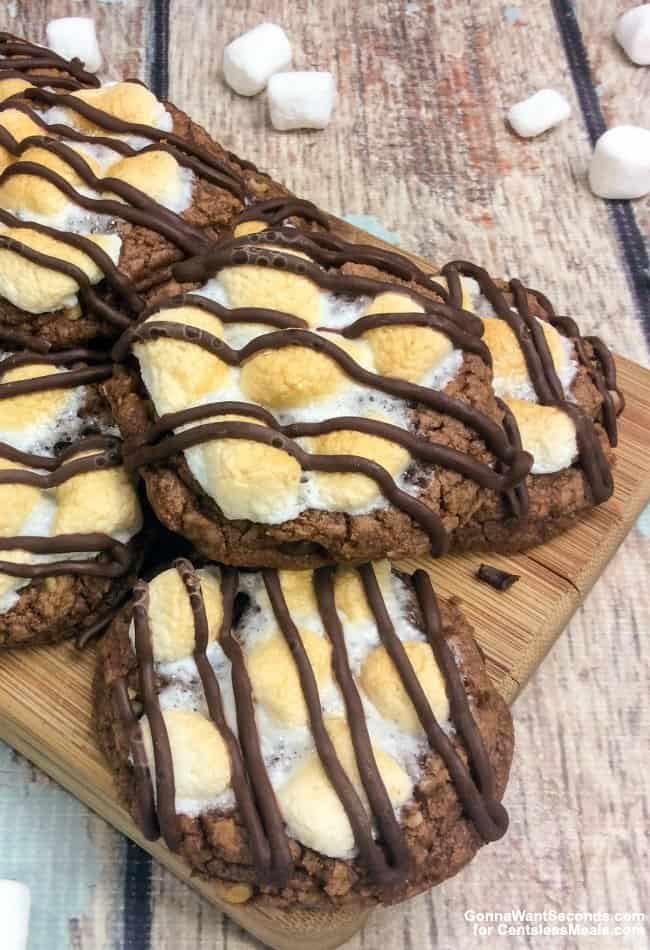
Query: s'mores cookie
559, 392
311, 400
102, 186
70, 519
304, 738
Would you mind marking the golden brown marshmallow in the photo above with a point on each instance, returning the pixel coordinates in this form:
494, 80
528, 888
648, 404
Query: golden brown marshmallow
508, 361
313, 811
249, 285
179, 373
273, 673
38, 289
128, 101
16, 504
248, 479
293, 376
199, 754
32, 409
20, 126
405, 352
103, 500
548, 433
170, 615
27, 194
349, 490
349, 593
383, 686
156, 173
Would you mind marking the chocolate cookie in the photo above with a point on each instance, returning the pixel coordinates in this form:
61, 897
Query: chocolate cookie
314, 738
70, 519
314, 400
101, 188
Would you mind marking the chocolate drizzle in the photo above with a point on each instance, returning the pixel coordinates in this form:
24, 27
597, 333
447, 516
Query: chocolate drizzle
383, 853
514, 462
529, 333
114, 558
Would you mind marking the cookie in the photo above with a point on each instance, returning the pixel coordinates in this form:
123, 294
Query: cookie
102, 187
310, 738
312, 400
70, 518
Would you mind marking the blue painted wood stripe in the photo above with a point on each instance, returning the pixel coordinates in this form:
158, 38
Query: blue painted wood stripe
633, 248
136, 931
159, 53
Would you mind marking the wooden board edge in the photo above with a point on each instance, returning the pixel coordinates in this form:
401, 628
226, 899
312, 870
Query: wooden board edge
266, 924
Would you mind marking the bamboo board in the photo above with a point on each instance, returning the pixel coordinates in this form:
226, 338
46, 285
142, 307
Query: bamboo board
46, 702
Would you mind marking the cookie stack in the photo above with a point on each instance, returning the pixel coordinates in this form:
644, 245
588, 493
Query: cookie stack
289, 711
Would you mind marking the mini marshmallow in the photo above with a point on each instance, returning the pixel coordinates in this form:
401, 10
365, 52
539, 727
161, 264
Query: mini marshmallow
301, 100
15, 900
620, 166
539, 113
75, 36
633, 33
251, 59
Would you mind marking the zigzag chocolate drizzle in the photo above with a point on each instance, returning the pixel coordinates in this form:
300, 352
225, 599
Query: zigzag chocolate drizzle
385, 856
541, 369
137, 208
117, 557
517, 462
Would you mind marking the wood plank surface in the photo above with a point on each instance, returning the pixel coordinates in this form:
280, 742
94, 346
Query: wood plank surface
418, 145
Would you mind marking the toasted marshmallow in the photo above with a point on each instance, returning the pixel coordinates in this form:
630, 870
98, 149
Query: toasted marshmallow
16, 503
20, 126
32, 409
311, 808
39, 289
299, 593
248, 480
170, 615
350, 595
348, 491
103, 500
383, 686
10, 87
128, 101
548, 433
158, 175
36, 198
251, 285
199, 754
276, 684
249, 227
178, 373
405, 352
509, 363
292, 377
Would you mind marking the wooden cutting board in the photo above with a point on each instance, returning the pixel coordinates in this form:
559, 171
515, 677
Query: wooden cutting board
46, 701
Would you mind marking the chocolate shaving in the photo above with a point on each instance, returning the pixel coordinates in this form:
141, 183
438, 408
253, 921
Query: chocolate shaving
496, 578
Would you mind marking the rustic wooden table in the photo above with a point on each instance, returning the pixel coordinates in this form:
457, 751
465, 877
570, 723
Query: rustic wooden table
418, 150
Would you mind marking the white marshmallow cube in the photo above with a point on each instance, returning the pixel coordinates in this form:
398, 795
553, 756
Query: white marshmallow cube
75, 36
251, 59
15, 900
620, 166
539, 113
301, 100
633, 33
